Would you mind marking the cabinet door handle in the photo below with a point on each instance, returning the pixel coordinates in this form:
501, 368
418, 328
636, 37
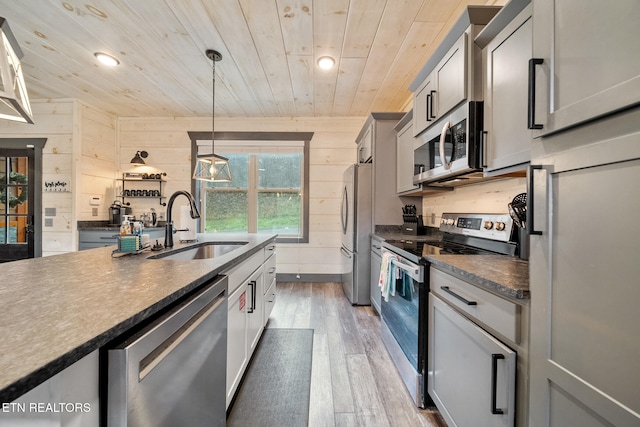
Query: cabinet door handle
432, 95
532, 93
530, 228
253, 296
428, 102
460, 297
494, 383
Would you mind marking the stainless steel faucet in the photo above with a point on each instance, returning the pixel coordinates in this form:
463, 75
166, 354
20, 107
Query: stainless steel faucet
169, 230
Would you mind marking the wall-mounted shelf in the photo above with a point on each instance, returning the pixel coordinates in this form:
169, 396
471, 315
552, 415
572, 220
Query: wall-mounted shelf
143, 193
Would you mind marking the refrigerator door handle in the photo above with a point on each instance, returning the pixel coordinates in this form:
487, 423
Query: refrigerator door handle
344, 210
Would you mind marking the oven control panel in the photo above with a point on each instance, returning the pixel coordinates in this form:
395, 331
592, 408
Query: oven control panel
488, 226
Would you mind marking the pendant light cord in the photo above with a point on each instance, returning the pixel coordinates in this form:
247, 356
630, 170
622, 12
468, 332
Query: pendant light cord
214, 56
213, 110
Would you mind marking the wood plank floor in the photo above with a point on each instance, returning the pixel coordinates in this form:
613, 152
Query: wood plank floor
353, 381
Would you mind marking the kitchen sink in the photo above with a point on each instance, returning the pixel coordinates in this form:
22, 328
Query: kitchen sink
205, 250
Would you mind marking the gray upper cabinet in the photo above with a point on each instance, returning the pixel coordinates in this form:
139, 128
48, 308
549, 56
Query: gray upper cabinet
379, 134
404, 155
443, 89
506, 44
451, 78
590, 62
448, 77
365, 145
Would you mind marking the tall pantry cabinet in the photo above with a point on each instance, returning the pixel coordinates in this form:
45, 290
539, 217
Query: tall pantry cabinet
585, 368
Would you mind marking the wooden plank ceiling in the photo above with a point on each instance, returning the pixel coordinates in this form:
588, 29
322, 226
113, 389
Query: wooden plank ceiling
269, 49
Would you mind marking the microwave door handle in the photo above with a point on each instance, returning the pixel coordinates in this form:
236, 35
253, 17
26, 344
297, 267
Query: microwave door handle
443, 138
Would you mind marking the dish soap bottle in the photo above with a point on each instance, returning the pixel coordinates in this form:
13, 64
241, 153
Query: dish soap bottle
125, 227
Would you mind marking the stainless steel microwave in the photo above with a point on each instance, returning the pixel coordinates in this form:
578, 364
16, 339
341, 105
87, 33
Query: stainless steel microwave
451, 148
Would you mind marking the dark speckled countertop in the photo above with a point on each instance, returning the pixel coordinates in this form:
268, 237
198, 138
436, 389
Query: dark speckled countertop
56, 310
503, 275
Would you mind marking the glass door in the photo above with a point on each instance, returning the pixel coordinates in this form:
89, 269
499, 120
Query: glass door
16, 204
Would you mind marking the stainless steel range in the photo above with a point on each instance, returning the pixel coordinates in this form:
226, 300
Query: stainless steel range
405, 312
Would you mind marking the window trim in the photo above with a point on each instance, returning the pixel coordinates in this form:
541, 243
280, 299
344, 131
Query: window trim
266, 137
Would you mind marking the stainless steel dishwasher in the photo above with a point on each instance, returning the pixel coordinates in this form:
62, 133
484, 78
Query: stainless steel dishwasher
173, 371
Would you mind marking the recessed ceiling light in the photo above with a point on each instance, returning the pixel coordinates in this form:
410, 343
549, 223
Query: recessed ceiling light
109, 60
326, 62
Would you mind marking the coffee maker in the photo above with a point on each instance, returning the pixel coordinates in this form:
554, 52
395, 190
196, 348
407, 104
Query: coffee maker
117, 212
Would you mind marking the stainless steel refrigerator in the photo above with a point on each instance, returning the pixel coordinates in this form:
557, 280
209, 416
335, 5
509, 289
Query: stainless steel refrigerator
357, 226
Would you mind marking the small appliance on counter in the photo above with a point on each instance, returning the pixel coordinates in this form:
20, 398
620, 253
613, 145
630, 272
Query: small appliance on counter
412, 223
518, 212
117, 212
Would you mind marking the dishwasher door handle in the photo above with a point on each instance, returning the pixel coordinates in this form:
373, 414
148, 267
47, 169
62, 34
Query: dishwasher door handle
157, 355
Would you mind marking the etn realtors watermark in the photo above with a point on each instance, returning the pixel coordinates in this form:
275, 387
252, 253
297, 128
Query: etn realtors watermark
35, 407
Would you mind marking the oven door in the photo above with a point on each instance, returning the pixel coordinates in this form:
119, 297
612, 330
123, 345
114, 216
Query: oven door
404, 328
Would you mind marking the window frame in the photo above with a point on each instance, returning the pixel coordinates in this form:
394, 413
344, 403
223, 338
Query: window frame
266, 138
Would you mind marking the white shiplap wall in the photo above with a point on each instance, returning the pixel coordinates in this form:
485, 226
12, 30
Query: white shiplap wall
332, 149
80, 149
487, 197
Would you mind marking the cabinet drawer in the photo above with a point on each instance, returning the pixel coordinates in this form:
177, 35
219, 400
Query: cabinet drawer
269, 300
106, 237
269, 250
239, 273
496, 313
269, 271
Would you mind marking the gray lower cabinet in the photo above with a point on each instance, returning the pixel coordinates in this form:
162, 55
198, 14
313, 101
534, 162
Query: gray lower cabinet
585, 364
471, 373
376, 262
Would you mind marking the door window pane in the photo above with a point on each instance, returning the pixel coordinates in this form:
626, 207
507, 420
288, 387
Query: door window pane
16, 229
17, 199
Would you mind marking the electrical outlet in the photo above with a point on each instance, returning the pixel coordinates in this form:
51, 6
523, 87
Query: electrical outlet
94, 211
433, 219
48, 222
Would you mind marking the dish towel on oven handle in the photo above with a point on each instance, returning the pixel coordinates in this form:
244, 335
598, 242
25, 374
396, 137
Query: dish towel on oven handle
388, 275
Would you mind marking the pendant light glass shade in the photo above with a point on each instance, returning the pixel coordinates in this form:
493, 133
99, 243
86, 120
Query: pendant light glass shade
212, 167
13, 91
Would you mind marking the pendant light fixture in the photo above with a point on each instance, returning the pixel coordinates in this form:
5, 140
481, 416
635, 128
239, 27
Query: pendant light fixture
14, 103
212, 167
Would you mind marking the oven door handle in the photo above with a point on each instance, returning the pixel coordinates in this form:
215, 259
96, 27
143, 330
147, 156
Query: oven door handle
414, 271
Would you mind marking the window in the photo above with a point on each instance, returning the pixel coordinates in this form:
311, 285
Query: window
268, 191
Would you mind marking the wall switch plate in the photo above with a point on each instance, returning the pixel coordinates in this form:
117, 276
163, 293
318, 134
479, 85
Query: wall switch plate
48, 222
49, 211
